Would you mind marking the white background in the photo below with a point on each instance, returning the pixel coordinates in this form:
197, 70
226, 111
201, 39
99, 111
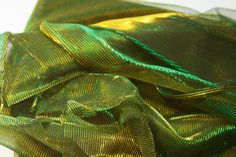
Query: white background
15, 13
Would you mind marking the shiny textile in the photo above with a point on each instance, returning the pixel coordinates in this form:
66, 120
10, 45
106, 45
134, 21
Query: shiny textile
119, 78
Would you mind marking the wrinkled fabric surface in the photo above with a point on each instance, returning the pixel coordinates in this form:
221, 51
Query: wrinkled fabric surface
119, 78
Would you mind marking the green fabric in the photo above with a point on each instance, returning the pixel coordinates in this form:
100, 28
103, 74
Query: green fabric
119, 78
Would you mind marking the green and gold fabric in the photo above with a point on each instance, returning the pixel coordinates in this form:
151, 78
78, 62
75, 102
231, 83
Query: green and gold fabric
108, 78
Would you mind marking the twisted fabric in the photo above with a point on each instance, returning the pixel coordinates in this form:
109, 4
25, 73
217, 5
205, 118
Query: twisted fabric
119, 78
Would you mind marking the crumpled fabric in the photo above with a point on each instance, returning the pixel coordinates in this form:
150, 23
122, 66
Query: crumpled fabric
119, 78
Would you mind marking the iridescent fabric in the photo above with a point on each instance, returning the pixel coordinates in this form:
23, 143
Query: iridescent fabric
119, 78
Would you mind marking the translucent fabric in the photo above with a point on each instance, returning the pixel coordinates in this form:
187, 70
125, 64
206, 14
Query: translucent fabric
119, 78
